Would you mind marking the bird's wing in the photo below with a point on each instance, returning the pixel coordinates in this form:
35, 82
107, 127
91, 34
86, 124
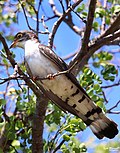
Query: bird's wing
47, 52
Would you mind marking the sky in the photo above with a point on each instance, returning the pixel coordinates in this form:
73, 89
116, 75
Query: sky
64, 45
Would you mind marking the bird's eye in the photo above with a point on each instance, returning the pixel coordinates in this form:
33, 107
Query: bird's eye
19, 35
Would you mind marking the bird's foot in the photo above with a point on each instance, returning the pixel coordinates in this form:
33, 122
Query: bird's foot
35, 78
50, 76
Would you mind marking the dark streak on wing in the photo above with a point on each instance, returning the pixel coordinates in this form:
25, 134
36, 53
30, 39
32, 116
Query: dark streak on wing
77, 91
97, 110
74, 105
66, 100
61, 104
82, 99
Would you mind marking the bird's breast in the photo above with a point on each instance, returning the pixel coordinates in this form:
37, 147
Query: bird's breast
39, 65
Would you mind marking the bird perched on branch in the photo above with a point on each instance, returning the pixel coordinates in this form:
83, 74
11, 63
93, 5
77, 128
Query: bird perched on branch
63, 89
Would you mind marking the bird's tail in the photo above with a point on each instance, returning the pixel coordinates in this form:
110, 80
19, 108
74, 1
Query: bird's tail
104, 127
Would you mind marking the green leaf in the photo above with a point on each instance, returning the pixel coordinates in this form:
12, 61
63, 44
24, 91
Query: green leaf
101, 12
5, 61
87, 71
76, 150
90, 92
95, 26
96, 87
96, 64
82, 125
100, 104
83, 15
11, 135
16, 143
108, 20
2, 102
74, 121
66, 137
111, 78
81, 8
1, 151
95, 98
84, 83
109, 56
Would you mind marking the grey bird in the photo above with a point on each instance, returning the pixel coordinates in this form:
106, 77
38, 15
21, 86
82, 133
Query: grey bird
64, 90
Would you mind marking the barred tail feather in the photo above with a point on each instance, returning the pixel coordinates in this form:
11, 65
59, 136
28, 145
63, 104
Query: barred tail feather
104, 127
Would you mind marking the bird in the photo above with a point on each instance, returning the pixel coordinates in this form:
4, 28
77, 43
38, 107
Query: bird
63, 90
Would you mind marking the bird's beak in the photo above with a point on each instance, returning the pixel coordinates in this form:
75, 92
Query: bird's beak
13, 44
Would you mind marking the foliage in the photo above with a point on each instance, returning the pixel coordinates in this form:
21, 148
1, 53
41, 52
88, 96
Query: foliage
17, 101
112, 146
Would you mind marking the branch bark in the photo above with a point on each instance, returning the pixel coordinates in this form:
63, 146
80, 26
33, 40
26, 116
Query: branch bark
38, 124
68, 20
88, 27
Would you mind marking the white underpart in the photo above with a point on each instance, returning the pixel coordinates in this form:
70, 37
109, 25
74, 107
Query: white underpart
61, 85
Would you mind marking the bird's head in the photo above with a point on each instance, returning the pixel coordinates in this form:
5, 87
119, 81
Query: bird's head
21, 38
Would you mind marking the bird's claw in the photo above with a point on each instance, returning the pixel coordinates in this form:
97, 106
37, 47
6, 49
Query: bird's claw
50, 76
34, 78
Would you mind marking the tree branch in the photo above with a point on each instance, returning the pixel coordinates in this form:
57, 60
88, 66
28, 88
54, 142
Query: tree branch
93, 46
113, 27
115, 42
26, 17
103, 19
88, 27
38, 124
58, 22
69, 56
114, 112
68, 20
112, 85
60, 144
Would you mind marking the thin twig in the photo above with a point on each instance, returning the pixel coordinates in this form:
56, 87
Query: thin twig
83, 20
60, 144
64, 72
58, 22
104, 17
37, 16
112, 85
104, 97
70, 56
68, 20
114, 112
44, 25
26, 17
88, 29
113, 27
61, 2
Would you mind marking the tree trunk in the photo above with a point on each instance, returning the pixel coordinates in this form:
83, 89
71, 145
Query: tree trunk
38, 124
